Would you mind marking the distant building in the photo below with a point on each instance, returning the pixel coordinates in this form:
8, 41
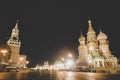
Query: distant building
46, 65
94, 50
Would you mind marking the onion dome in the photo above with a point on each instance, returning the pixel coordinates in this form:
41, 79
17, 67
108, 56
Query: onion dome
101, 35
82, 38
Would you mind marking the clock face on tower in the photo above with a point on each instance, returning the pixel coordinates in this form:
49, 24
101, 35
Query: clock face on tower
14, 38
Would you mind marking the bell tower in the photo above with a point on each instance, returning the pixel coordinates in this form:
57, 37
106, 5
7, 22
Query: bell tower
14, 44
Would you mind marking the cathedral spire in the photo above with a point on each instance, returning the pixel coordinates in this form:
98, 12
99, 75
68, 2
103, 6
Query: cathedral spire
100, 29
90, 28
16, 26
82, 38
81, 33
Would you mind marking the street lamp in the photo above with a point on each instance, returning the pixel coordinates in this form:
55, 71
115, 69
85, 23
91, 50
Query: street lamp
70, 55
27, 62
63, 59
69, 63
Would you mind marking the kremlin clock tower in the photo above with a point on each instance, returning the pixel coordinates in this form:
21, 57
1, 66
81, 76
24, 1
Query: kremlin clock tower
14, 45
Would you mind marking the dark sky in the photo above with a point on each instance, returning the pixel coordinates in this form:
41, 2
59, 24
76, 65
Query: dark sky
50, 29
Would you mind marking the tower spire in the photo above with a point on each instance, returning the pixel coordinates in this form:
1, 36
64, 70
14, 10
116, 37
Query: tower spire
16, 26
89, 22
15, 32
90, 28
82, 38
100, 29
81, 33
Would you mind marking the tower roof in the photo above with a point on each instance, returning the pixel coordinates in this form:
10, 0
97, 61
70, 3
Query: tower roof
82, 38
90, 28
101, 35
16, 26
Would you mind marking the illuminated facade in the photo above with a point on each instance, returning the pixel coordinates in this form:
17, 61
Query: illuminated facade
14, 45
46, 65
94, 50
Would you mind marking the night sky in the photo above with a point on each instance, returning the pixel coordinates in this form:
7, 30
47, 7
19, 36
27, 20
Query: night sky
50, 30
